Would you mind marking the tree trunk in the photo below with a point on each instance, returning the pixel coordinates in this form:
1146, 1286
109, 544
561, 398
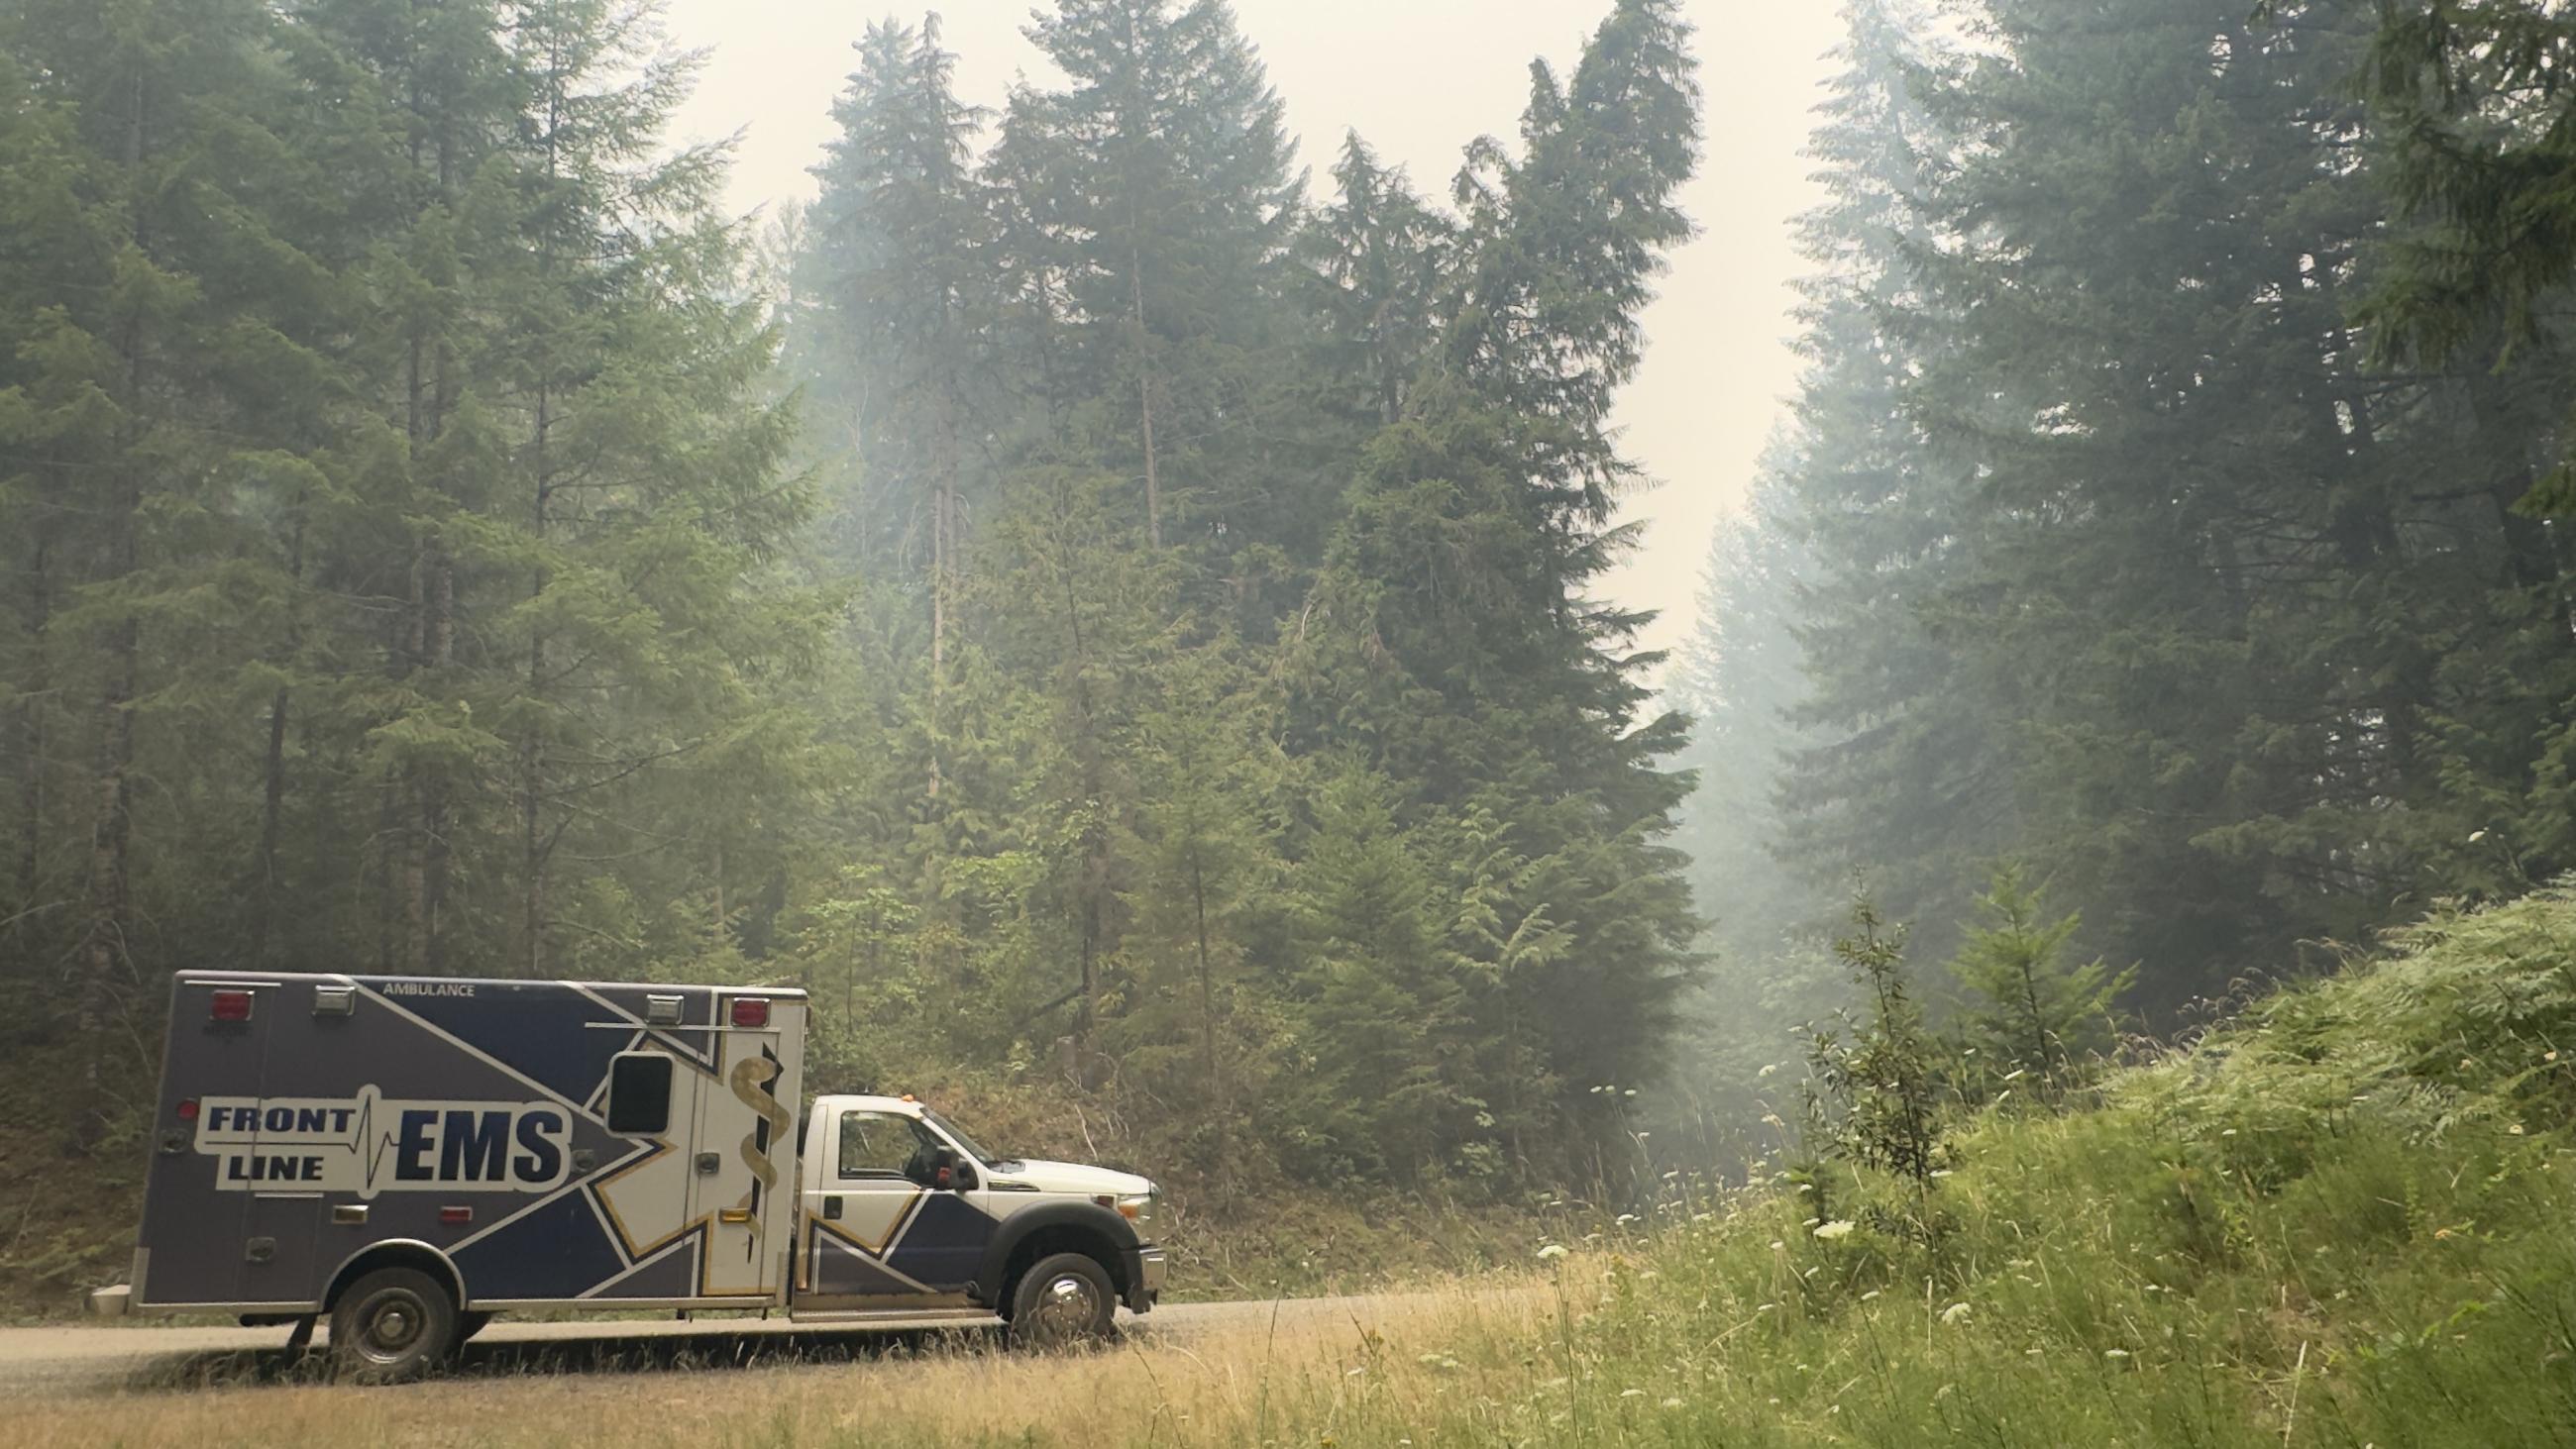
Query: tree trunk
1145, 395
105, 947
272, 807
1093, 883
943, 528
430, 846
31, 756
104, 957
533, 849
264, 889
1217, 1093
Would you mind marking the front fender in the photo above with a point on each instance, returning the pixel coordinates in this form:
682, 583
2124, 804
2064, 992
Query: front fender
1087, 1218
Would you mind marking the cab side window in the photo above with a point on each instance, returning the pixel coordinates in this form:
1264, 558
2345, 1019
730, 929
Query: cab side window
879, 1145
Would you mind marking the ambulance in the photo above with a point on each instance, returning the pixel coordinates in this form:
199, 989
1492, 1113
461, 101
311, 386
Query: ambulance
402, 1158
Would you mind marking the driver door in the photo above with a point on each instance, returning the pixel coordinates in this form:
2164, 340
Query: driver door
860, 1202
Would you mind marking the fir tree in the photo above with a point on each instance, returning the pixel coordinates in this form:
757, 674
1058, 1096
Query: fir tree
2029, 1007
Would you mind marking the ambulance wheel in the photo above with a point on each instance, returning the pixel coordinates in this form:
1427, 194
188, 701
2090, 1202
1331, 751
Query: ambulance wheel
392, 1325
1062, 1301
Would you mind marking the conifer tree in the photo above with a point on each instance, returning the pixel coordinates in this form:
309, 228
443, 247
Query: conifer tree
2029, 1007
1157, 192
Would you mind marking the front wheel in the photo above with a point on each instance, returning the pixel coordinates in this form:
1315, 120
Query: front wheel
392, 1325
1062, 1301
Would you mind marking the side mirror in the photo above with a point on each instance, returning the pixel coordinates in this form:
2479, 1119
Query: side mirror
949, 1171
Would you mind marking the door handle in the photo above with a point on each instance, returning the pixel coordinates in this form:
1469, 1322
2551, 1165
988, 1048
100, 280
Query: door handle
832, 1208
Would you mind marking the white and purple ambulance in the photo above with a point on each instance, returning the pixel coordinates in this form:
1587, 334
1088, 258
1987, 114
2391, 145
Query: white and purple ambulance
405, 1157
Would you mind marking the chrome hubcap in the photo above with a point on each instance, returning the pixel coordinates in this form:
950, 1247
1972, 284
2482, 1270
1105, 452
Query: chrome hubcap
1066, 1308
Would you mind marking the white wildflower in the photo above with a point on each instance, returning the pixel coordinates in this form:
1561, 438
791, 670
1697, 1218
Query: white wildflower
1672, 1403
1838, 1228
1551, 1252
1873, 1293
1955, 1313
2115, 1353
1767, 1071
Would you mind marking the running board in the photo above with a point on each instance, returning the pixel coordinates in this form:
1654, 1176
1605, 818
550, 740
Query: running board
880, 1318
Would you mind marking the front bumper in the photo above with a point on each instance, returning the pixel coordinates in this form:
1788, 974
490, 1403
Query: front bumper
1146, 1269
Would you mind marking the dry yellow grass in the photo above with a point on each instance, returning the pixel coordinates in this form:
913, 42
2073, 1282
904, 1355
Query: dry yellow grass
1304, 1374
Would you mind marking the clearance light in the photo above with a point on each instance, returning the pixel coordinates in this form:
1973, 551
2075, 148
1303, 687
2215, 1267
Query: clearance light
230, 1006
456, 1216
188, 1110
751, 1012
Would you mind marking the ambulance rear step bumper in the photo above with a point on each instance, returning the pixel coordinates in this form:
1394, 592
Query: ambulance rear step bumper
112, 1302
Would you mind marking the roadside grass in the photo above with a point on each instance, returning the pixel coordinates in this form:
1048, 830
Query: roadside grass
2347, 1220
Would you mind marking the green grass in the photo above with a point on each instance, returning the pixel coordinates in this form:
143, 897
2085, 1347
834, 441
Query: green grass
2349, 1219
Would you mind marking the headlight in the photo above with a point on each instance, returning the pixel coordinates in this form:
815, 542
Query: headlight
1140, 1207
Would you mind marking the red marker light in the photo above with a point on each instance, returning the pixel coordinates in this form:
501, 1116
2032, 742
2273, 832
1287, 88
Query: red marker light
231, 1006
456, 1216
751, 1012
188, 1110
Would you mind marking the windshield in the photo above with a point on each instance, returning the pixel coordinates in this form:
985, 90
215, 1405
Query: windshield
958, 1135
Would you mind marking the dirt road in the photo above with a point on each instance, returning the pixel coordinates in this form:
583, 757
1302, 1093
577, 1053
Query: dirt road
73, 1360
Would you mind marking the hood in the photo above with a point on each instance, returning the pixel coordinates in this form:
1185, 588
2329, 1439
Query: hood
1073, 1177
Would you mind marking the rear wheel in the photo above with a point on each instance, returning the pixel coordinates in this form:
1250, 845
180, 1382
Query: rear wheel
1062, 1301
392, 1325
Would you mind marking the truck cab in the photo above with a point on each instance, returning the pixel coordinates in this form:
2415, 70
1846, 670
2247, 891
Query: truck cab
901, 1211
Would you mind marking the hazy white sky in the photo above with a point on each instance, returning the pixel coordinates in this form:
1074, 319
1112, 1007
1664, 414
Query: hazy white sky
1419, 79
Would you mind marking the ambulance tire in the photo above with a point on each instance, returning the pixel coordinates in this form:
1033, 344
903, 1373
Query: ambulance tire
1063, 1302
392, 1326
